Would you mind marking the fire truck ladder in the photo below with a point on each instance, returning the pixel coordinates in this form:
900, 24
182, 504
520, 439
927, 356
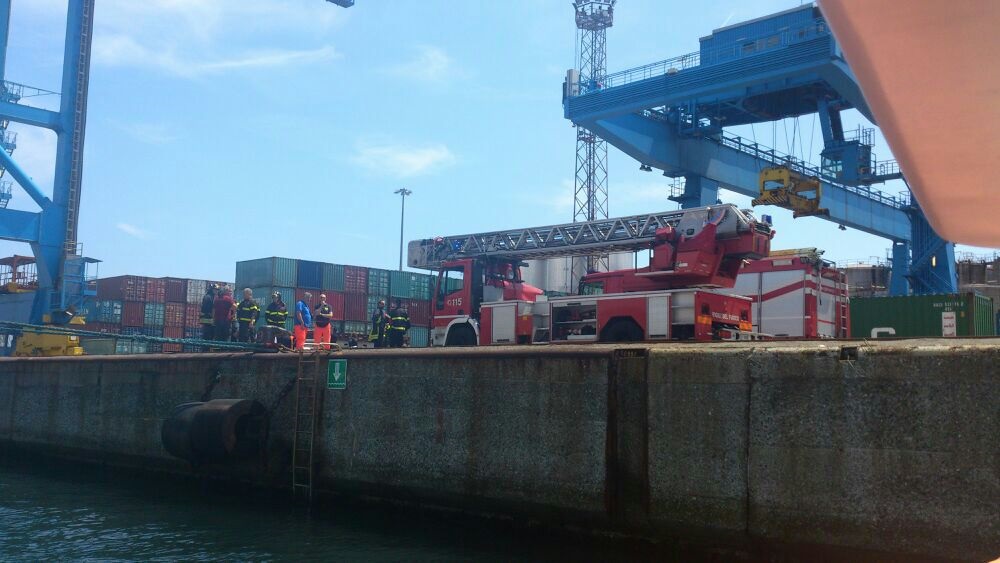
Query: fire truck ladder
306, 393
621, 234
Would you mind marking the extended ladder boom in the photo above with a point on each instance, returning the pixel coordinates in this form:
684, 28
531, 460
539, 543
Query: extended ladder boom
622, 234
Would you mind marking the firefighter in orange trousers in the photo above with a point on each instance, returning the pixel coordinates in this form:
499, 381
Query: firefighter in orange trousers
303, 320
321, 323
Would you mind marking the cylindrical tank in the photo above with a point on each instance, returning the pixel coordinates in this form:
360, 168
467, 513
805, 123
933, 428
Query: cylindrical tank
220, 430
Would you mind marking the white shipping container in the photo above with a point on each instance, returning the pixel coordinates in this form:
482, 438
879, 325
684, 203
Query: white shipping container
195, 291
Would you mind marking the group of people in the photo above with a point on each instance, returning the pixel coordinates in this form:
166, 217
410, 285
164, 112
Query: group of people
223, 319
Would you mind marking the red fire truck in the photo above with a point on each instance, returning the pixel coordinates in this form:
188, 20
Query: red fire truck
480, 297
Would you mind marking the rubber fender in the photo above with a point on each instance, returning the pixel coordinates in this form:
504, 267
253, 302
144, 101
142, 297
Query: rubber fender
220, 430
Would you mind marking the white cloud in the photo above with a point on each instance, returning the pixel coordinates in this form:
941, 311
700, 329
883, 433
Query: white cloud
132, 231
429, 64
403, 161
149, 133
123, 50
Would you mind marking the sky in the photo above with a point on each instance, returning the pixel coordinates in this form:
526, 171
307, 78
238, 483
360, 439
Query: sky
226, 130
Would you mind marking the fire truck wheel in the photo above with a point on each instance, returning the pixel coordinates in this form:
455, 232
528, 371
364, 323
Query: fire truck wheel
621, 329
461, 335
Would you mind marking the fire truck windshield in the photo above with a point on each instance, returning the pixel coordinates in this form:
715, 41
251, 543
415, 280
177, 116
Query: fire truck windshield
592, 288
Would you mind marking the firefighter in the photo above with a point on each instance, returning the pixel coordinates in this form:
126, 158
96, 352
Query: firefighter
246, 315
399, 323
380, 322
322, 320
276, 312
206, 318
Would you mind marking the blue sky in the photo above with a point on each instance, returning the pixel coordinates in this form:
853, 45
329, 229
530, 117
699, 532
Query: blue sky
224, 130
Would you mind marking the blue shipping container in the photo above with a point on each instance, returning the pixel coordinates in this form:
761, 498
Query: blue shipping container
310, 274
153, 315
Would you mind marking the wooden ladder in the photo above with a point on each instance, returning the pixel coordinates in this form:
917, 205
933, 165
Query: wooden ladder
306, 392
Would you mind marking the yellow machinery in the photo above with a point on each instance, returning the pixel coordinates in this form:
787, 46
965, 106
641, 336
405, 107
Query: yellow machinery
39, 342
782, 186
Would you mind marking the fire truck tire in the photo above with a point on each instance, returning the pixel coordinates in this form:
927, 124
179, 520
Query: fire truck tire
461, 335
622, 329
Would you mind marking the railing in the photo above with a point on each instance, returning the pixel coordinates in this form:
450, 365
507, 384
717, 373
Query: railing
887, 168
13, 92
778, 158
6, 192
736, 50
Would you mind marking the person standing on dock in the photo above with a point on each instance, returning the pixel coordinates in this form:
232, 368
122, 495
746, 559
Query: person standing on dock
303, 320
321, 330
223, 310
207, 316
276, 312
380, 322
399, 323
246, 314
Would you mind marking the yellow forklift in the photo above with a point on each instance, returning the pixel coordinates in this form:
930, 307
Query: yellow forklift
18, 275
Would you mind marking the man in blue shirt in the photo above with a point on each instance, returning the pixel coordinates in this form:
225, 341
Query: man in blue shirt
303, 320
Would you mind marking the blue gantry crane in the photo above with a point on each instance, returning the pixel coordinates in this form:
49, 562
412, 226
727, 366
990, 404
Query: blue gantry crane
674, 114
51, 231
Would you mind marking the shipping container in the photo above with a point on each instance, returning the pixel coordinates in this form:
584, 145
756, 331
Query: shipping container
192, 315
963, 314
409, 285
310, 274
176, 290
420, 312
105, 311
267, 272
96, 346
355, 307
378, 281
173, 314
355, 279
173, 332
109, 328
333, 277
122, 288
419, 336
336, 301
156, 290
196, 290
125, 346
133, 313
153, 315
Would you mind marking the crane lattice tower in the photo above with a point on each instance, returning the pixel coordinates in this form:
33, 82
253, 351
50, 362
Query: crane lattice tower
590, 201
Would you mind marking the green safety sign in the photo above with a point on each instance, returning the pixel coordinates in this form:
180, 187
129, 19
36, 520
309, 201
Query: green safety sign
336, 374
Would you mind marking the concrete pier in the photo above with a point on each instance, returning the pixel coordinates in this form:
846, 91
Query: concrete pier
890, 446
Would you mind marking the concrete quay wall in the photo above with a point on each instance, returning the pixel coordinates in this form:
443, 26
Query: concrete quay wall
890, 446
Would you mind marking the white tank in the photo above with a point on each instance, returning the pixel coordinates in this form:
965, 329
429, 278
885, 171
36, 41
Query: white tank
563, 274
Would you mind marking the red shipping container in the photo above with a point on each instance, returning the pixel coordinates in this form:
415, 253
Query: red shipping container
355, 279
176, 290
192, 316
336, 301
173, 314
420, 312
156, 290
173, 332
133, 313
355, 307
122, 288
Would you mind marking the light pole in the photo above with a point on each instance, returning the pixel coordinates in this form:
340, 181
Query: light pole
403, 192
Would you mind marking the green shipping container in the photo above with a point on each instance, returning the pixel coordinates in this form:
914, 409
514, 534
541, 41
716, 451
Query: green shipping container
963, 314
282, 272
333, 277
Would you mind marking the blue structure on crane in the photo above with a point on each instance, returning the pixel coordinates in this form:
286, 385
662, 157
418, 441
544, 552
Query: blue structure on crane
342, 3
673, 115
51, 231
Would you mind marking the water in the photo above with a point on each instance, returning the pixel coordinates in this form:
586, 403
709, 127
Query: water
66, 512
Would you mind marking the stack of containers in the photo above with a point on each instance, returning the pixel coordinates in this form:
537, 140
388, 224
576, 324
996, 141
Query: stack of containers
352, 291
137, 305
264, 276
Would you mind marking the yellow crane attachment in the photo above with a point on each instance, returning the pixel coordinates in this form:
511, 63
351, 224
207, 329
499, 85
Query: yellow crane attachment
784, 187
